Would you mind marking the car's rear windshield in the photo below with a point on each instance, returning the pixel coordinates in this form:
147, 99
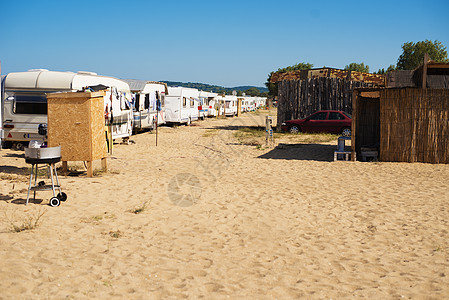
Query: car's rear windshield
348, 115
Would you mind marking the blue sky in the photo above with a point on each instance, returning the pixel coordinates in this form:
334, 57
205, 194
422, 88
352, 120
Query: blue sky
227, 43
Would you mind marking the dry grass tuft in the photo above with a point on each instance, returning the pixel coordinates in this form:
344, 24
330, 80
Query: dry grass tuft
116, 234
250, 136
308, 138
25, 223
210, 132
140, 209
97, 218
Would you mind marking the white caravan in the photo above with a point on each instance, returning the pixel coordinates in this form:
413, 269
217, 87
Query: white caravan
212, 103
181, 105
219, 101
251, 104
230, 105
2, 77
194, 98
145, 96
203, 106
25, 101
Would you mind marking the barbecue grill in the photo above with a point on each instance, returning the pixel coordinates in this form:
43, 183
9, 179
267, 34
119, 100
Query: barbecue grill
48, 157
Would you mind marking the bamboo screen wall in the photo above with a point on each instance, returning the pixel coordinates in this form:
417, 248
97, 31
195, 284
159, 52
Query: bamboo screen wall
414, 125
299, 98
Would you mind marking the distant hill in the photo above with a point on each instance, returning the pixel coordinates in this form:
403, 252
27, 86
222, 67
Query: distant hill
214, 88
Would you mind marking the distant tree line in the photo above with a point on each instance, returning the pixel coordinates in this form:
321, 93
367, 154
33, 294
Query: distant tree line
240, 90
412, 57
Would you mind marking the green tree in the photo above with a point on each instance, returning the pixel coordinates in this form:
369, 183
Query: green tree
252, 91
413, 54
273, 88
383, 71
357, 67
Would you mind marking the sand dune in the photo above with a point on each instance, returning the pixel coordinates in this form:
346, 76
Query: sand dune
224, 219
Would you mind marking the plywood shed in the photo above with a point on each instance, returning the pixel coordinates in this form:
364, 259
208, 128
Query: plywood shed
76, 123
407, 124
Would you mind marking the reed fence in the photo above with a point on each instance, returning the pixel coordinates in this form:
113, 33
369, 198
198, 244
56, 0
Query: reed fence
414, 125
300, 98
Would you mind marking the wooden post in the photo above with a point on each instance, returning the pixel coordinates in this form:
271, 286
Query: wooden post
355, 98
64, 168
424, 71
90, 171
239, 107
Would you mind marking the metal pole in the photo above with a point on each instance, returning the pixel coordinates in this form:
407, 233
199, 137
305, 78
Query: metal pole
157, 120
1, 107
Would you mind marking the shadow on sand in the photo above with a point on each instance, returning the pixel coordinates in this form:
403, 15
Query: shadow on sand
237, 126
14, 170
23, 201
317, 152
16, 155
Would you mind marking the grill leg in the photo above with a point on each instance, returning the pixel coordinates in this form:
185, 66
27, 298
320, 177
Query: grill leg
57, 180
35, 179
29, 186
52, 182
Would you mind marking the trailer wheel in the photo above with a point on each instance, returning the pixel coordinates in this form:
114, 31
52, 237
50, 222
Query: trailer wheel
54, 202
62, 196
18, 146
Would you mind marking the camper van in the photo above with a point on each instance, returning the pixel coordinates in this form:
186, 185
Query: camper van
25, 102
230, 105
2, 78
203, 107
212, 103
181, 105
145, 97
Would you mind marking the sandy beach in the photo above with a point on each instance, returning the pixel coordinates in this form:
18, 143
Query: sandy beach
210, 213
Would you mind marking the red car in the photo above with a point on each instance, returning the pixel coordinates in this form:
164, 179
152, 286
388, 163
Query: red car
331, 121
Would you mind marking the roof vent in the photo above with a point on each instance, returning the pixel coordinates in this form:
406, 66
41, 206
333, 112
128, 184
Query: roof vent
86, 73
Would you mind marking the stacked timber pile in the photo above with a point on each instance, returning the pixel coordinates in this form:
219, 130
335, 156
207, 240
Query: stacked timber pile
378, 80
414, 125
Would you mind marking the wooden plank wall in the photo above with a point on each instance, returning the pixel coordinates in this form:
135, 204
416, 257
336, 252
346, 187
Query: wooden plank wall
414, 125
300, 98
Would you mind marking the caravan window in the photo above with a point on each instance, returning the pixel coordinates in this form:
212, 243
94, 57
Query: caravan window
147, 101
184, 102
192, 103
30, 104
137, 103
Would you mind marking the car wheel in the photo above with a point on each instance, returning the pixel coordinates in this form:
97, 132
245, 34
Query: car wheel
294, 129
346, 131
